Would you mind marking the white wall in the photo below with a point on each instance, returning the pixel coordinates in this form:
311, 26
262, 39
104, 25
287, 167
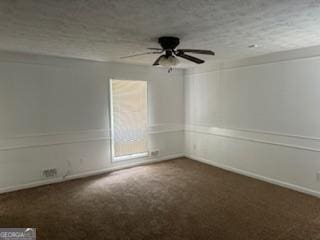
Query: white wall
258, 118
55, 114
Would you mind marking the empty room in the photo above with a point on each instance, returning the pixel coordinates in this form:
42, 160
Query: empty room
160, 120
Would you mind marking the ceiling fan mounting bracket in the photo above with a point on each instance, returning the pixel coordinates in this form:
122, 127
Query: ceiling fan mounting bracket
169, 43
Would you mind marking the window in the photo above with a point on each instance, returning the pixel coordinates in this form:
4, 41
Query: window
129, 123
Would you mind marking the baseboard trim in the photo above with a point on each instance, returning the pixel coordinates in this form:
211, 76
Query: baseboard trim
123, 166
87, 174
256, 176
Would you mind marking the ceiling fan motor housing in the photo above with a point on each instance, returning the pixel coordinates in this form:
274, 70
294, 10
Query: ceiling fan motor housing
169, 43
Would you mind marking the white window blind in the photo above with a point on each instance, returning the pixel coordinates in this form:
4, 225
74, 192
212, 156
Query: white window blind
129, 118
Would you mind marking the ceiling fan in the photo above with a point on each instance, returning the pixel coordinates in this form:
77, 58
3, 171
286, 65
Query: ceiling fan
169, 53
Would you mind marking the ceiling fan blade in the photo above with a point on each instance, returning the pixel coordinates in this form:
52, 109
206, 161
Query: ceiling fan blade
156, 63
140, 54
190, 58
197, 51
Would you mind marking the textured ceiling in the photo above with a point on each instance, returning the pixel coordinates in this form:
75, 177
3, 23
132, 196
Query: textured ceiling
106, 30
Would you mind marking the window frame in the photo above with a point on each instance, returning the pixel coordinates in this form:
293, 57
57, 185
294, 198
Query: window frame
112, 151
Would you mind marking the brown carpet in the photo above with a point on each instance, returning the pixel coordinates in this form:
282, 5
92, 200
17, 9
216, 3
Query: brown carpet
177, 199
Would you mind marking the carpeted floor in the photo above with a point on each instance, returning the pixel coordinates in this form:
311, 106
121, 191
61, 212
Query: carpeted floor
177, 199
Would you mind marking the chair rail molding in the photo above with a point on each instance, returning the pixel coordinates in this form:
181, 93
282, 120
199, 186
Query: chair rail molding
285, 140
71, 137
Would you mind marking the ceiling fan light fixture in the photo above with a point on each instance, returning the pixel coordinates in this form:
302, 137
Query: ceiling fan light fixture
168, 61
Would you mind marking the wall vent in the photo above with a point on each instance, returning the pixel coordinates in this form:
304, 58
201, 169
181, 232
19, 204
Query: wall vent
155, 153
50, 173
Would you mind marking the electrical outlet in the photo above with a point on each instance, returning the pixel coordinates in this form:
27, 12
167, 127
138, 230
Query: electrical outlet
194, 147
50, 173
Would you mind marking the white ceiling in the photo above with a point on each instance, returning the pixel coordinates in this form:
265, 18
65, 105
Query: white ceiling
108, 29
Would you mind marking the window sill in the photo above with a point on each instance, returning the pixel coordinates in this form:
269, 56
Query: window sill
131, 156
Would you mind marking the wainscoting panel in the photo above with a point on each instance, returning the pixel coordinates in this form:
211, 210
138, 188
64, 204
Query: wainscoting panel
74, 154
285, 160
